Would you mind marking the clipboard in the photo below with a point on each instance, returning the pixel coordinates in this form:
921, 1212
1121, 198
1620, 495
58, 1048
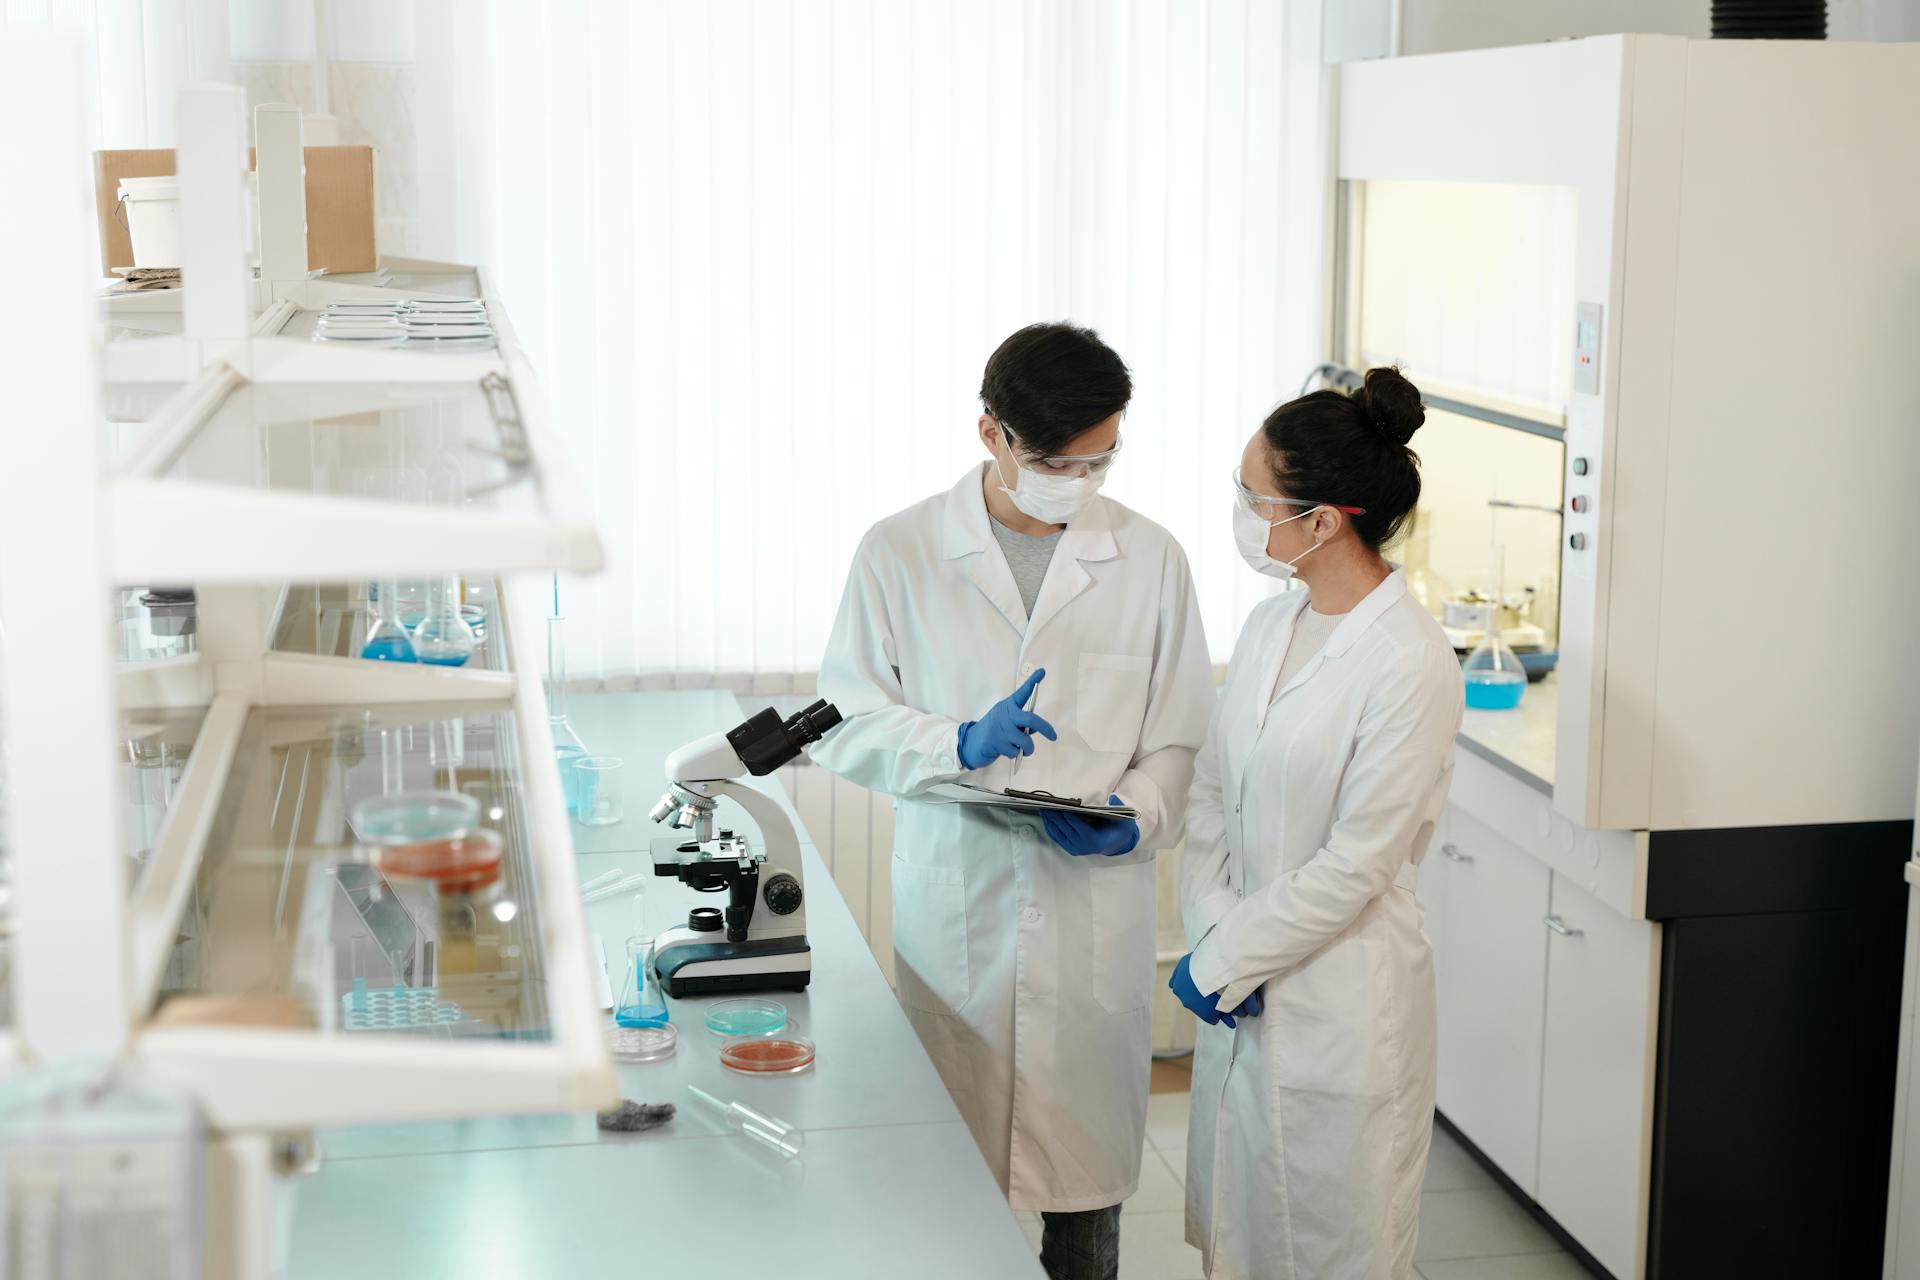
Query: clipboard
1023, 801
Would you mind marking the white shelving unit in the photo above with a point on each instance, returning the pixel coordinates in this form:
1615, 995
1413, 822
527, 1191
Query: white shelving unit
242, 484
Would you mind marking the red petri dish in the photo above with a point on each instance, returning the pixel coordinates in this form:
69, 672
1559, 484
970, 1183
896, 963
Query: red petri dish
455, 864
778, 1054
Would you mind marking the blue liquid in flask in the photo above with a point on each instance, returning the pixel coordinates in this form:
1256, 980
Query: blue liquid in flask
1494, 690
641, 1015
385, 646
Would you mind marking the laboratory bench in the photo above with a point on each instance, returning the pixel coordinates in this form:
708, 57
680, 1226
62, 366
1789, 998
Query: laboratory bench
1521, 742
889, 1178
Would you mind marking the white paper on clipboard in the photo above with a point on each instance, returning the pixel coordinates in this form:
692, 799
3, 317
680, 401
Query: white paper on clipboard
1025, 802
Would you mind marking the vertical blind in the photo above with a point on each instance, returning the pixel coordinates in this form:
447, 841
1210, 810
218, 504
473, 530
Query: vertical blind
762, 250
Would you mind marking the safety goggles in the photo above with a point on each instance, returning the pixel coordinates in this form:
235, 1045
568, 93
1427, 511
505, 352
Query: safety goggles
1270, 509
1068, 464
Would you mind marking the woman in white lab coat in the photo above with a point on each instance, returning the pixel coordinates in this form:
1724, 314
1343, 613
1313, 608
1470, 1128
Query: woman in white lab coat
1022, 630
1324, 772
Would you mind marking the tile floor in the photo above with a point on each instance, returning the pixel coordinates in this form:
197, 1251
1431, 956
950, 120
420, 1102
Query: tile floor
1470, 1229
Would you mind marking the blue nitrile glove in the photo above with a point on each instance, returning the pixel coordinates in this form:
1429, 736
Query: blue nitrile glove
1006, 730
1250, 1007
1081, 836
1205, 1008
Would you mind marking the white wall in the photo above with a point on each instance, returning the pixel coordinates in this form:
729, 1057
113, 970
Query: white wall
1440, 26
1366, 28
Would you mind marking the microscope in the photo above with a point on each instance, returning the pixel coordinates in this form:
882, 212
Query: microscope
759, 942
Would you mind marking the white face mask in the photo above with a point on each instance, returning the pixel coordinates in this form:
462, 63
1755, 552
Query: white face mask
1049, 499
1250, 535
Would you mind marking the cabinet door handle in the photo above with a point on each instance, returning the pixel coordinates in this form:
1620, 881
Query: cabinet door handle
1559, 926
1452, 853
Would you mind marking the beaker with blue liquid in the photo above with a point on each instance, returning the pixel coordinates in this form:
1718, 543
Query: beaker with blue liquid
567, 746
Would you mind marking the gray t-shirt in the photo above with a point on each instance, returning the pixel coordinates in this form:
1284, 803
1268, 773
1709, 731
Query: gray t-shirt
1028, 557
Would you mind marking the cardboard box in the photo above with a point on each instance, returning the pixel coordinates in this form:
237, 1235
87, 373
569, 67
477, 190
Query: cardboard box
339, 205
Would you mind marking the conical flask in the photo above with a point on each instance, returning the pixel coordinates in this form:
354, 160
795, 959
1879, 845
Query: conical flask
641, 1003
387, 640
1495, 679
443, 637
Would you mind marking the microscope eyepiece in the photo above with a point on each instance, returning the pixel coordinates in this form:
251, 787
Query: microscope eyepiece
812, 724
765, 742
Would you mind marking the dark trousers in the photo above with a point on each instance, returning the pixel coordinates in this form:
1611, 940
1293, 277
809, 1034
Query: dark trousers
1081, 1246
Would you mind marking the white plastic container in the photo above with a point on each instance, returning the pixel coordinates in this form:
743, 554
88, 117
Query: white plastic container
152, 209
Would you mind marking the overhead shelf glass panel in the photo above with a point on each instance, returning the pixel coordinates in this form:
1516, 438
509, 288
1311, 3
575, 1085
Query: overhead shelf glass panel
441, 445
331, 621
339, 481
295, 923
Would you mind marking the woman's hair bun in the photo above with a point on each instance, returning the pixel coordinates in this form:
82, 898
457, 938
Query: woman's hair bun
1392, 404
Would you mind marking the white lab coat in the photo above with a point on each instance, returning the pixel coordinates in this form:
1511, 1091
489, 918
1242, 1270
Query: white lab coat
1027, 972
1310, 1124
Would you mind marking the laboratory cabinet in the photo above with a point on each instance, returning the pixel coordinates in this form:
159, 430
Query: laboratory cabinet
1627, 273
1597, 1075
1490, 959
1646, 1074
1546, 1015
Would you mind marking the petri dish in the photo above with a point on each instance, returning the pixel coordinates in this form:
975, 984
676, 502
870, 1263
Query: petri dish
409, 816
774, 1055
746, 1017
642, 1044
455, 864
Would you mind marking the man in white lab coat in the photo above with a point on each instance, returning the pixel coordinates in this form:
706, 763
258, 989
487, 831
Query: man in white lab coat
1020, 630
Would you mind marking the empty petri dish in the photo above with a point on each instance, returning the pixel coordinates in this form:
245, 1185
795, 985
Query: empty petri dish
781, 1054
642, 1044
408, 816
746, 1017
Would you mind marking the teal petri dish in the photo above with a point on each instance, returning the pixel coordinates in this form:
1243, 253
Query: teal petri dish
746, 1017
407, 817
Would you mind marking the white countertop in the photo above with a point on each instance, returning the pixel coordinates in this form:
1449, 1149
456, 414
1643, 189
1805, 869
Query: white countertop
1522, 740
889, 1173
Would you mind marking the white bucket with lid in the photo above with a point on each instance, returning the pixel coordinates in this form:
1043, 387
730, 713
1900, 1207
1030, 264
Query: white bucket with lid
152, 210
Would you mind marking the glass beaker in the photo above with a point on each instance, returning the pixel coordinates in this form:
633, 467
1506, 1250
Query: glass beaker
1496, 681
567, 746
387, 640
443, 637
596, 790
641, 1002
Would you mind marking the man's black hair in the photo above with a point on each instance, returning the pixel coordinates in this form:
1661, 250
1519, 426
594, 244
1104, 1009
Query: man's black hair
1049, 382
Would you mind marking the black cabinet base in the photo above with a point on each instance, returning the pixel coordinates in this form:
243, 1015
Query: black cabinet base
1782, 952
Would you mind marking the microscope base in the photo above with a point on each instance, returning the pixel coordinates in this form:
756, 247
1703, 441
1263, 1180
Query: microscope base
691, 965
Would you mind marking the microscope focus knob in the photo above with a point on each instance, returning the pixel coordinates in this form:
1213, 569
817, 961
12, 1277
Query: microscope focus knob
783, 894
